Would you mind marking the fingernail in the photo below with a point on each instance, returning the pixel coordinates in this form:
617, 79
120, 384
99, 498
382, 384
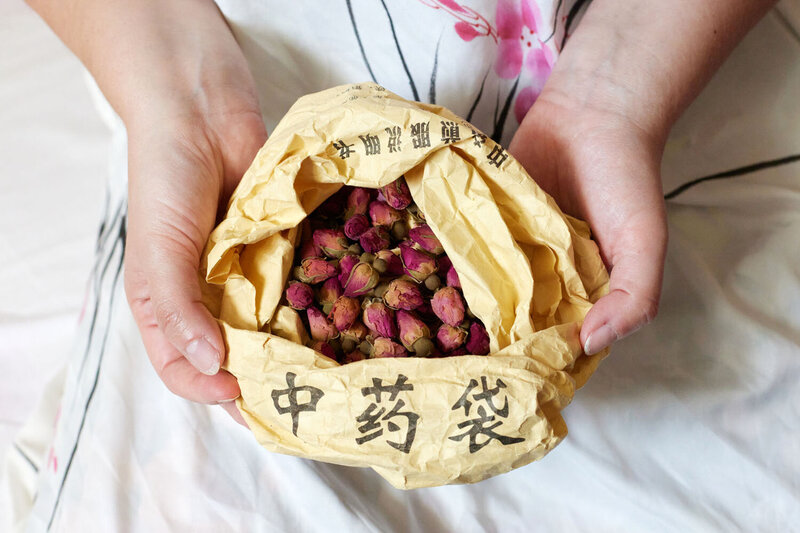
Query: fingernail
203, 356
599, 339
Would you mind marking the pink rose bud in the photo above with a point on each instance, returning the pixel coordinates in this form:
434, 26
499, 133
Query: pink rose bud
358, 201
452, 278
449, 338
394, 265
355, 226
424, 237
403, 294
361, 280
458, 351
383, 347
315, 270
320, 326
329, 292
425, 311
380, 319
448, 306
374, 239
478, 341
418, 264
444, 263
324, 348
332, 242
397, 194
411, 329
382, 214
357, 332
333, 206
352, 357
299, 295
346, 264
345, 311
309, 249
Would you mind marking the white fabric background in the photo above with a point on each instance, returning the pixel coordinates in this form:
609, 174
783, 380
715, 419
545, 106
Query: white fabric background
691, 424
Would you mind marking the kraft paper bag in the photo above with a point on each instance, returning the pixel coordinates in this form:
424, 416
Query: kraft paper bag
527, 270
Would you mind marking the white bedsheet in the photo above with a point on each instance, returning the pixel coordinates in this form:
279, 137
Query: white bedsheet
691, 424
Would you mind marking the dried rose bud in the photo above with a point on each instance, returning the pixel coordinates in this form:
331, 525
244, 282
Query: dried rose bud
425, 311
394, 265
423, 347
399, 231
478, 341
374, 239
320, 326
353, 356
344, 313
329, 292
355, 226
333, 206
459, 351
452, 278
380, 289
324, 348
382, 214
397, 194
332, 242
346, 264
449, 338
309, 249
315, 270
444, 263
357, 332
299, 295
448, 306
423, 235
380, 319
433, 282
358, 201
383, 347
411, 329
403, 294
361, 280
418, 264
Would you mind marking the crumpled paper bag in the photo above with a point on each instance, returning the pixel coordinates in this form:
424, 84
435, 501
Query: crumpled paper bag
528, 271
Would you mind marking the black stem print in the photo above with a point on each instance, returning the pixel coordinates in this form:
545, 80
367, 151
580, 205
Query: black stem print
432, 92
400, 51
358, 38
499, 124
478, 98
555, 21
571, 16
733, 173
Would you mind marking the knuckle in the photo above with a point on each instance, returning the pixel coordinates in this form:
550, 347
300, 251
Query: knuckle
168, 316
649, 310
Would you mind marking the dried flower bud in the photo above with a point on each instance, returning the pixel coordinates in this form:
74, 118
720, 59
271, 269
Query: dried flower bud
394, 265
353, 356
424, 237
333, 206
411, 329
400, 230
374, 239
358, 201
309, 249
324, 348
382, 214
383, 347
332, 242
418, 264
425, 311
423, 347
458, 351
361, 280
452, 278
403, 294
449, 338
321, 328
380, 319
299, 295
329, 292
355, 226
397, 194
448, 306
354, 249
444, 263
433, 282
357, 332
478, 341
365, 347
366, 257
344, 313
346, 264
315, 270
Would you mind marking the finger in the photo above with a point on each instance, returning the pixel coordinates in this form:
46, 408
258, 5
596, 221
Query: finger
232, 410
634, 287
